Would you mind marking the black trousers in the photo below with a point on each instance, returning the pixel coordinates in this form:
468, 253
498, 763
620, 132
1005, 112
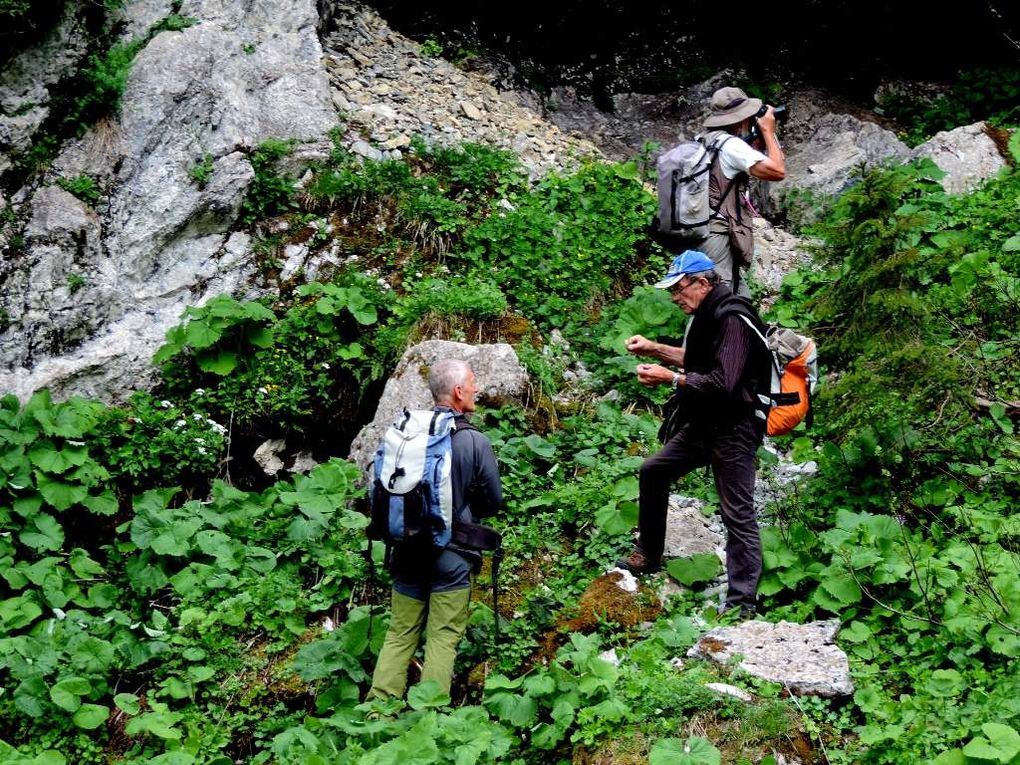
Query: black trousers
730, 450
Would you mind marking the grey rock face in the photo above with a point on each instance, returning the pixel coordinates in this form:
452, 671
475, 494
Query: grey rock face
245, 73
802, 657
498, 372
27, 82
63, 284
967, 155
688, 531
826, 152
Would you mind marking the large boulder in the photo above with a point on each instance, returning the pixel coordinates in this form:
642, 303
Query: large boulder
245, 73
499, 374
803, 658
967, 155
825, 150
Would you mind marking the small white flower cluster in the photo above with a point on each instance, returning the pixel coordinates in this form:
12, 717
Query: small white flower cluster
263, 390
383, 284
216, 427
166, 404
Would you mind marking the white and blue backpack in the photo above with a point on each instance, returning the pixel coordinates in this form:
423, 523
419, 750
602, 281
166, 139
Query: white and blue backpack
412, 495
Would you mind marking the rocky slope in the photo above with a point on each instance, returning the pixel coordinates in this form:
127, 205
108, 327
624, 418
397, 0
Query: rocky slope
88, 289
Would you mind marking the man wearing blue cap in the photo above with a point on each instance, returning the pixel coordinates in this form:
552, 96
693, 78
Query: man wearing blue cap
717, 419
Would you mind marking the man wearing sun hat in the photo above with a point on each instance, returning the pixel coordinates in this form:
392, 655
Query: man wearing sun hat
730, 241
716, 376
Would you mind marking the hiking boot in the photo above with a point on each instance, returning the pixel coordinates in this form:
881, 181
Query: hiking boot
639, 563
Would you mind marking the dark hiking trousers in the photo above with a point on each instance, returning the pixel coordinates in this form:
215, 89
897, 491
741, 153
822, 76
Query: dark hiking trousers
731, 452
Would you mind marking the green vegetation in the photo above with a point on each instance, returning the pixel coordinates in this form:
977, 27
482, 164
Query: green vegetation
170, 604
992, 95
84, 187
202, 172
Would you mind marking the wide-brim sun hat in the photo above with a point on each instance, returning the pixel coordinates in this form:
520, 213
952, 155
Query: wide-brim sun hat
687, 262
730, 106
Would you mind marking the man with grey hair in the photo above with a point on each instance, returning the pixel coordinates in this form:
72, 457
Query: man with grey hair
432, 589
715, 418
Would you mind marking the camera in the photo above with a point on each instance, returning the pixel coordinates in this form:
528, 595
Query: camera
779, 112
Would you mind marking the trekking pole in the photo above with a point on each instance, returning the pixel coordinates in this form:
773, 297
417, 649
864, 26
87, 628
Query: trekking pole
497, 556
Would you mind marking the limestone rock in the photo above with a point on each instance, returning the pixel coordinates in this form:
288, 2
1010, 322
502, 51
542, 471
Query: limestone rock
27, 81
826, 151
267, 456
967, 155
499, 374
245, 73
64, 287
776, 254
730, 690
136, 17
802, 657
688, 532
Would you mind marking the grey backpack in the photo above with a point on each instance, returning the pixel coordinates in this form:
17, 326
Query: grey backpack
684, 209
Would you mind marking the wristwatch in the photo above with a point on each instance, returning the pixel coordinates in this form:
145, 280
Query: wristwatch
676, 380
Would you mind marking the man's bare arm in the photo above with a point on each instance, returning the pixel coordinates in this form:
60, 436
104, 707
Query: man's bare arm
773, 167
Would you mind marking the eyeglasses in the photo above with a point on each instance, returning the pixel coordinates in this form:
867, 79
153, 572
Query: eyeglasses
679, 287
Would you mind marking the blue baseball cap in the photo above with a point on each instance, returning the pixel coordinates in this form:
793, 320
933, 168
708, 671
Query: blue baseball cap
687, 262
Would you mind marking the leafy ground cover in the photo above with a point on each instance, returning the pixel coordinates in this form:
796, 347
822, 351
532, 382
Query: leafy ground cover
167, 603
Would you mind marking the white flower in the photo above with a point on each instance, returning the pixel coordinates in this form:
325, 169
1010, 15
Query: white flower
165, 404
325, 365
417, 274
199, 440
199, 391
216, 426
201, 450
263, 390
180, 423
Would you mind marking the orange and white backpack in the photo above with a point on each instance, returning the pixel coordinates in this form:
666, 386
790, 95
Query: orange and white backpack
794, 377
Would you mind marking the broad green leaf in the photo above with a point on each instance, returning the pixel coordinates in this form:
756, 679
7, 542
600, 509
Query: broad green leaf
1004, 739
19, 612
199, 334
694, 751
127, 703
83, 566
946, 682
46, 456
59, 494
159, 724
220, 363
697, 569
427, 695
67, 693
91, 716
102, 504
520, 711
540, 446
617, 517
261, 337
47, 533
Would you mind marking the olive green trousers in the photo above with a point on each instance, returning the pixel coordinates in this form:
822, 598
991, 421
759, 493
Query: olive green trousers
444, 618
